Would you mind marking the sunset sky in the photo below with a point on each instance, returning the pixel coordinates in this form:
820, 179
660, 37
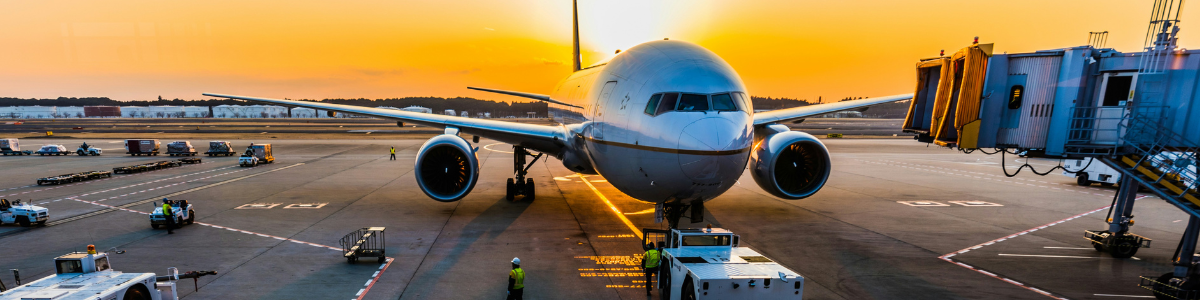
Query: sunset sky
141, 49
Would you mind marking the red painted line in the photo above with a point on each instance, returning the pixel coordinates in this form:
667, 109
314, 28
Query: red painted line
375, 278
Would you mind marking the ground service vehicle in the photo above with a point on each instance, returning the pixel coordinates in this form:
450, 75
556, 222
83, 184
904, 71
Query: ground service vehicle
256, 155
60, 179
52, 150
85, 150
12, 147
708, 264
191, 160
220, 148
181, 148
23, 214
142, 147
181, 209
89, 275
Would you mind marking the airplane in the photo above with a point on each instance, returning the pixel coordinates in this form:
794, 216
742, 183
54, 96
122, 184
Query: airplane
666, 122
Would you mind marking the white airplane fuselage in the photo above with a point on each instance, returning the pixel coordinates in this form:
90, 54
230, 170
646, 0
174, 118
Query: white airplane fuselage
656, 155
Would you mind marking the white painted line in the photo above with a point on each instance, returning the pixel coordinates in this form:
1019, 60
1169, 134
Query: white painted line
1073, 248
1050, 256
1127, 296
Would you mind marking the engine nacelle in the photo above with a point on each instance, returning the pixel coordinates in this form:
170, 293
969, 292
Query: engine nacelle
447, 168
790, 164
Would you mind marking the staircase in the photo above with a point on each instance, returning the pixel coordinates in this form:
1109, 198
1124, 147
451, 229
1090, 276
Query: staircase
1160, 160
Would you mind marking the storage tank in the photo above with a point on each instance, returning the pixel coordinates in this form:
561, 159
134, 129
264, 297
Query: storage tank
135, 112
225, 111
195, 112
301, 112
449, 112
102, 111
8, 112
36, 112
418, 109
272, 111
70, 112
166, 111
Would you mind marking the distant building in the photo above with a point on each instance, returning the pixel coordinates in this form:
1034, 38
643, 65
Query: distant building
418, 109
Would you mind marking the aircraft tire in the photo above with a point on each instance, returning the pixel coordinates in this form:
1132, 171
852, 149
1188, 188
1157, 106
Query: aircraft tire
529, 189
508, 192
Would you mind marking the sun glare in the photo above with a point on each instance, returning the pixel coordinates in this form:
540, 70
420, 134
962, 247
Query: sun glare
606, 26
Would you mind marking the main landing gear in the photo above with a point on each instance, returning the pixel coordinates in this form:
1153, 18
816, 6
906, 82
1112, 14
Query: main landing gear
521, 186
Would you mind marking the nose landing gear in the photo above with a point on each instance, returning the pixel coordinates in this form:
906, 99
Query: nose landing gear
521, 186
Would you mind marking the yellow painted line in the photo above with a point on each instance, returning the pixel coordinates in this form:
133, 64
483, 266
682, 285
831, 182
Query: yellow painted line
635, 230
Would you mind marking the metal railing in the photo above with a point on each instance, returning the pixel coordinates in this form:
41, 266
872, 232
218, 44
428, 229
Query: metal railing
1164, 150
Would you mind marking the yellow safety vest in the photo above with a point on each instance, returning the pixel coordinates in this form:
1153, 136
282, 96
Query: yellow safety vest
651, 258
166, 209
518, 275
393, 150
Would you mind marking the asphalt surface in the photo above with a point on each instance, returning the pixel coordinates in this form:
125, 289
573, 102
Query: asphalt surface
855, 239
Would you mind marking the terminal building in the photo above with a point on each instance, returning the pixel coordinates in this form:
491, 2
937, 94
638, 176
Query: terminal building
1136, 112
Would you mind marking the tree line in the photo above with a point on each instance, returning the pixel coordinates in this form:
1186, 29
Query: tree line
438, 104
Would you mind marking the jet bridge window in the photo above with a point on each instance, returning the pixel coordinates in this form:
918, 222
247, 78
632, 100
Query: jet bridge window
652, 106
723, 102
693, 102
706, 240
1015, 96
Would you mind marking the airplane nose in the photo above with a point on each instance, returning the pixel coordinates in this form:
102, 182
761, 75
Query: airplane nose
710, 134
711, 147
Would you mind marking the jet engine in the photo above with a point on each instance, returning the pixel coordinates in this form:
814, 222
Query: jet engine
790, 164
447, 168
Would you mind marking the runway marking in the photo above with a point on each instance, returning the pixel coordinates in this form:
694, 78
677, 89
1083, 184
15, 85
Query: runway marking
361, 293
613, 207
1071, 248
1129, 296
488, 146
948, 257
1048, 256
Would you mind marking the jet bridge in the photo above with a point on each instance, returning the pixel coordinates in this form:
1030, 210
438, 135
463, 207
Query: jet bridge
1138, 113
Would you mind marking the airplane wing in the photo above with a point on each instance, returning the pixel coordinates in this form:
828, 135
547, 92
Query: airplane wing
784, 115
542, 138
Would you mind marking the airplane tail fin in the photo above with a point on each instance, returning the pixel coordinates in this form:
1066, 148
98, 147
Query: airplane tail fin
575, 57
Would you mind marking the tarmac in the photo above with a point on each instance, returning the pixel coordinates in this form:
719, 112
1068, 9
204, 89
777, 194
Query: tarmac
897, 220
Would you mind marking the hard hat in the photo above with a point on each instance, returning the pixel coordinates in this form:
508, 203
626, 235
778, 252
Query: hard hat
516, 261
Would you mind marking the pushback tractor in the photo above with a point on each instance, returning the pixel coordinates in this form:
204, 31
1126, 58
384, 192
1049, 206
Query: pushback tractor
89, 275
709, 264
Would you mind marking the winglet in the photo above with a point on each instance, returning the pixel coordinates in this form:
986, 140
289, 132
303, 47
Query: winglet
538, 97
575, 56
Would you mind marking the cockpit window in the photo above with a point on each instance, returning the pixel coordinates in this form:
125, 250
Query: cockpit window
652, 106
668, 103
743, 102
723, 102
693, 102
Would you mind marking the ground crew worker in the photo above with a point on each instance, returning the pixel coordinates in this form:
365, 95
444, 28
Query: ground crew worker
169, 215
516, 281
650, 262
393, 153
